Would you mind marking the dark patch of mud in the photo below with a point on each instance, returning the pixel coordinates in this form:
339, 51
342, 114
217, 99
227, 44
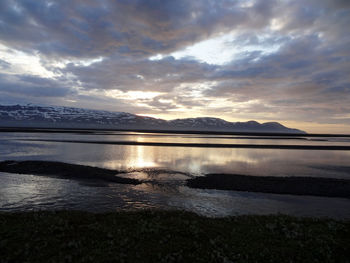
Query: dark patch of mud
279, 185
65, 170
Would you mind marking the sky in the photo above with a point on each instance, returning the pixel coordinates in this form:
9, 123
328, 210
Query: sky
264, 60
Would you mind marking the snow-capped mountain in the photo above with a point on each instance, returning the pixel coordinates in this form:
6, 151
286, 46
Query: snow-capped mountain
66, 117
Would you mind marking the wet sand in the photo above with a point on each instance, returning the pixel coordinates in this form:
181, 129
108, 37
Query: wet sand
278, 185
65, 170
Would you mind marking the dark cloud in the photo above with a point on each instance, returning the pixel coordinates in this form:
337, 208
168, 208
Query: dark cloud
122, 73
98, 28
79, 28
4, 64
32, 86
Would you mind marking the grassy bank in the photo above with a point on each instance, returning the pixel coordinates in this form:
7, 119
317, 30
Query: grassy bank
169, 236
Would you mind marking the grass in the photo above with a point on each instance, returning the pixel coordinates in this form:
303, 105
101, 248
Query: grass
169, 236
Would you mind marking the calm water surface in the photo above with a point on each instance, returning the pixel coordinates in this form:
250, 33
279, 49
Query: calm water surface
29, 192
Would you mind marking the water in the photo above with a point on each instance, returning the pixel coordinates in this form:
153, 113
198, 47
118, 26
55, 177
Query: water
167, 190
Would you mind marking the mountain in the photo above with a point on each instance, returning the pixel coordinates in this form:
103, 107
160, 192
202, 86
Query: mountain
66, 117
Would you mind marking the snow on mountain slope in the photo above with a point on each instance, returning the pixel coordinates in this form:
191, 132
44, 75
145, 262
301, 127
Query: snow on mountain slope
55, 114
66, 117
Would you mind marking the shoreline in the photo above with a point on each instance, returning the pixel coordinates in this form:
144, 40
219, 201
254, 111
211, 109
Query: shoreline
202, 145
89, 131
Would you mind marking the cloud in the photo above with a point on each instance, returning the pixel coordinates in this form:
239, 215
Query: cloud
32, 86
122, 73
143, 28
288, 60
137, 27
4, 64
303, 79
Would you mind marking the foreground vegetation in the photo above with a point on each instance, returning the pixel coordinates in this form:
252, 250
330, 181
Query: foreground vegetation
169, 236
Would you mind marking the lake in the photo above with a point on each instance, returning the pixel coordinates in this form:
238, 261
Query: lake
174, 164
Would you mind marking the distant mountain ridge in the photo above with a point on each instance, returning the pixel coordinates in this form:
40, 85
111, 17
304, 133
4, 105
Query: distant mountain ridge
67, 117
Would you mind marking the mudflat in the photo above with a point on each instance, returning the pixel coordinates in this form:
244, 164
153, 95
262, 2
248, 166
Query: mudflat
270, 184
65, 170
